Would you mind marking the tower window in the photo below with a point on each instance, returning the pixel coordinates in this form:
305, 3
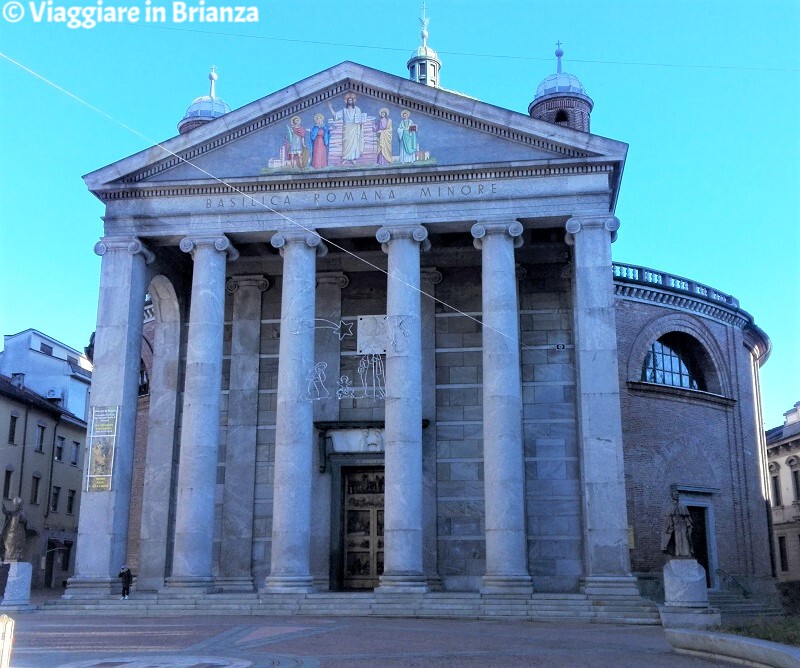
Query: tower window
561, 117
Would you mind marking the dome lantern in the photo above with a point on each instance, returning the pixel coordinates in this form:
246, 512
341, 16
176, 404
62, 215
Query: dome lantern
204, 108
561, 98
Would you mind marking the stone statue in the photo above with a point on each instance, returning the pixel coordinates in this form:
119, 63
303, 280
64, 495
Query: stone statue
676, 539
14, 535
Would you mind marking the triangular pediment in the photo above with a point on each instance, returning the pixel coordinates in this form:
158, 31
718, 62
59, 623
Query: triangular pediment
394, 124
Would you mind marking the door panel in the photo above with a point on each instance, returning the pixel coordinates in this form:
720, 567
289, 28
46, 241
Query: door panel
363, 527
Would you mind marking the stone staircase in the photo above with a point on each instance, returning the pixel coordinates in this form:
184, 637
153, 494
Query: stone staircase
735, 607
538, 607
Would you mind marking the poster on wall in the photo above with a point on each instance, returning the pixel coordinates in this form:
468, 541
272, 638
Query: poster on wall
102, 439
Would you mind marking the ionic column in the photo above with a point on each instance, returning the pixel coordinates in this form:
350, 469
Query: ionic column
605, 521
294, 431
197, 471
103, 525
240, 450
503, 456
403, 561
429, 279
327, 349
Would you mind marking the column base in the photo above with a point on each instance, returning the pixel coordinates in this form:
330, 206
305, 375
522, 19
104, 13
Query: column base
282, 584
506, 584
608, 585
189, 585
78, 587
239, 583
402, 584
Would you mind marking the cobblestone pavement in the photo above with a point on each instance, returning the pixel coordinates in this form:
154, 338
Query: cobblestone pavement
84, 641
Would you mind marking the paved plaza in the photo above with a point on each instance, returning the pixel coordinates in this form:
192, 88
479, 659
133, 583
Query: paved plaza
55, 639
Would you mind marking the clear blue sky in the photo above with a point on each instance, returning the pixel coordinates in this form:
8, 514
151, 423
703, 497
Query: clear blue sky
706, 93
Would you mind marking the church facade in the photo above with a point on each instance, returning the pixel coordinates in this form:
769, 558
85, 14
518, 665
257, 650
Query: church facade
390, 351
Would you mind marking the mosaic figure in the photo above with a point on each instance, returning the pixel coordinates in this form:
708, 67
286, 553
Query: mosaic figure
320, 141
352, 128
407, 132
296, 143
384, 129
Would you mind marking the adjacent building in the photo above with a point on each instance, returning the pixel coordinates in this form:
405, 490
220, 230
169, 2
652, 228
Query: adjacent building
390, 351
42, 463
783, 449
57, 372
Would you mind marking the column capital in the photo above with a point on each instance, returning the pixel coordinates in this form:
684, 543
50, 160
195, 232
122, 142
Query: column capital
394, 232
513, 229
131, 244
430, 274
578, 223
247, 280
219, 242
280, 239
337, 278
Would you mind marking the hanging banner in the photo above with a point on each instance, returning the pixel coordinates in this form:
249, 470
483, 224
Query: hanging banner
102, 440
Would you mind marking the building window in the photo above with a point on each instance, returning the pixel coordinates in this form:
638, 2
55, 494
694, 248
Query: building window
776, 490
796, 483
70, 502
561, 117
12, 429
671, 361
54, 499
7, 485
40, 429
75, 453
35, 480
58, 455
47, 350
782, 553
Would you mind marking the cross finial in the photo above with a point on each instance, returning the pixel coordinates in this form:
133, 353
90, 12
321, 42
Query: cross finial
559, 53
424, 21
212, 77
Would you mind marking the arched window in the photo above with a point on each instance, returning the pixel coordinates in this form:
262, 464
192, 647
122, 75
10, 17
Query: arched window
561, 117
673, 360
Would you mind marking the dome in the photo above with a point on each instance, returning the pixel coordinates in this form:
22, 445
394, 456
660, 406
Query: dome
561, 83
204, 108
424, 51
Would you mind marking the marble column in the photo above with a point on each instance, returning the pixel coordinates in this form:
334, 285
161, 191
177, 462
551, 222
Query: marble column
503, 452
429, 279
197, 470
240, 450
294, 430
403, 560
605, 522
161, 451
103, 521
328, 349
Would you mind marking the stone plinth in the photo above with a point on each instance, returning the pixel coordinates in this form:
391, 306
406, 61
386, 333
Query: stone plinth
685, 584
18, 586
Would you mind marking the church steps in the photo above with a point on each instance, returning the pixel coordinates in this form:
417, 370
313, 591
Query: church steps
456, 605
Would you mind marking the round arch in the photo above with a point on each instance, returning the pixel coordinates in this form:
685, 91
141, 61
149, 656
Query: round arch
711, 357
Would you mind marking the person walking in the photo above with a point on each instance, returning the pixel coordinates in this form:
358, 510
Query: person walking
127, 578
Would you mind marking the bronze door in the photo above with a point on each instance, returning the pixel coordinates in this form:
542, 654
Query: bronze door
363, 527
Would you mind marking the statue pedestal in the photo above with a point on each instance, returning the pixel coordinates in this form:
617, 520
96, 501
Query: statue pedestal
686, 596
685, 584
18, 588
